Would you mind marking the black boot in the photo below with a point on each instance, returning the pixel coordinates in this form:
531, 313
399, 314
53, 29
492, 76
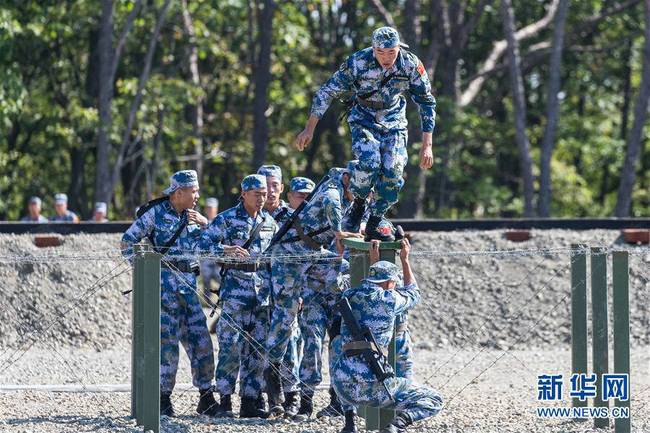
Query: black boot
306, 406
399, 424
207, 404
353, 220
291, 404
374, 231
166, 407
349, 426
274, 389
224, 410
250, 408
333, 409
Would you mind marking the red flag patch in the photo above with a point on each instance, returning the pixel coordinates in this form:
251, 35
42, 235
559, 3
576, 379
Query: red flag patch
421, 69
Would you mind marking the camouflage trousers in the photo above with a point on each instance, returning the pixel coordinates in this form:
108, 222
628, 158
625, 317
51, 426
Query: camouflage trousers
289, 280
315, 320
290, 369
241, 333
418, 401
182, 320
382, 157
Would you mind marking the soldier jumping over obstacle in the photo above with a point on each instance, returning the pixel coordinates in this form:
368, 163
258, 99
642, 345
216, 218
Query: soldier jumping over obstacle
373, 79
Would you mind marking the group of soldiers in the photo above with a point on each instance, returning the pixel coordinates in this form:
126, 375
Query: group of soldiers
61, 211
284, 270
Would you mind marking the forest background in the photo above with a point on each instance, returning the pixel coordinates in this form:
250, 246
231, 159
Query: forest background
541, 103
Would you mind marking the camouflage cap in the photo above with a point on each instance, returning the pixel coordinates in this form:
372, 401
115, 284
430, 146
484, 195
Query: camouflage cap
100, 206
386, 37
182, 179
253, 181
35, 200
270, 171
352, 165
383, 271
211, 202
301, 184
60, 198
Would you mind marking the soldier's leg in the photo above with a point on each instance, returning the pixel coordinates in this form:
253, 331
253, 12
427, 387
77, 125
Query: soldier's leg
313, 326
169, 337
291, 362
228, 357
287, 279
366, 147
196, 341
390, 182
404, 358
414, 402
252, 365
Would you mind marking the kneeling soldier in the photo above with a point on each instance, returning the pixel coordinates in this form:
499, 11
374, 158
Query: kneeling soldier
374, 305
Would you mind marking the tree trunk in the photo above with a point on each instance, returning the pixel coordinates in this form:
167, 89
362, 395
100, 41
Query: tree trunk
635, 137
552, 111
519, 102
262, 78
105, 48
197, 108
137, 100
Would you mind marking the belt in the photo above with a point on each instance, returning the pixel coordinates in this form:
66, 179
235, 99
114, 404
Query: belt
375, 105
180, 266
246, 267
356, 347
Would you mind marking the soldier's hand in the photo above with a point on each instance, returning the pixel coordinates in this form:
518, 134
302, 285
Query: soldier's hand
405, 251
339, 240
303, 139
426, 155
374, 251
195, 217
235, 250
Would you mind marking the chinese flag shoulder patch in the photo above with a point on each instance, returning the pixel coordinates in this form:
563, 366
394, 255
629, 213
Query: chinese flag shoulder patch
421, 69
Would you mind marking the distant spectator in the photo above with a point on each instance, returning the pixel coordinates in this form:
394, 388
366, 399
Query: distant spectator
99, 215
211, 208
34, 208
62, 212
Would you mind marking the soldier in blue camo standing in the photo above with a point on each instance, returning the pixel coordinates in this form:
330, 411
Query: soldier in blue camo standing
181, 317
375, 304
244, 298
280, 211
302, 252
373, 81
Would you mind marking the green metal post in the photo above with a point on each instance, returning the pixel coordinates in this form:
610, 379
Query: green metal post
136, 335
621, 305
579, 314
359, 263
600, 356
145, 358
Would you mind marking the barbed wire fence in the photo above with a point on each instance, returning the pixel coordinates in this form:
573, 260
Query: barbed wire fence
454, 357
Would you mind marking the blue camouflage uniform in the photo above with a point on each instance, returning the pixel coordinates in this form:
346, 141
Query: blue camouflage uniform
244, 297
323, 214
377, 118
289, 371
181, 316
377, 309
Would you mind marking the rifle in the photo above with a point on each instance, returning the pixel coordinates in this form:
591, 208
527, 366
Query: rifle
294, 216
364, 344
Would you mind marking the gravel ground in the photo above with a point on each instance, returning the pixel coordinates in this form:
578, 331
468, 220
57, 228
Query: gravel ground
494, 392
66, 328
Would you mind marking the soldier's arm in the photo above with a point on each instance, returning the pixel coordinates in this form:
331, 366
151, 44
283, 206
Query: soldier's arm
213, 240
140, 228
420, 90
339, 84
404, 298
